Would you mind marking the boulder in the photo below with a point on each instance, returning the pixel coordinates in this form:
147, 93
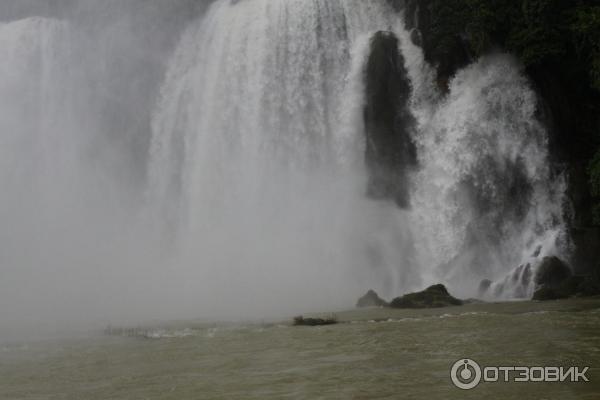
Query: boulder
551, 273
433, 297
371, 299
545, 293
554, 280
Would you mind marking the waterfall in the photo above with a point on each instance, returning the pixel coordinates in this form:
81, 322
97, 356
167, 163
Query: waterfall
37, 152
33, 54
259, 150
258, 154
485, 198
258, 160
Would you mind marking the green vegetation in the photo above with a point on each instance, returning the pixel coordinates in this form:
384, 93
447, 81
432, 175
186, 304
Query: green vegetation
558, 42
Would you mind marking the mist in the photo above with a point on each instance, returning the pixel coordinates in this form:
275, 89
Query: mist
78, 84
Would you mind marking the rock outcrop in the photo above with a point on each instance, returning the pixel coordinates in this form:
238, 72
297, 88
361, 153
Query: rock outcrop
433, 297
554, 280
371, 299
390, 151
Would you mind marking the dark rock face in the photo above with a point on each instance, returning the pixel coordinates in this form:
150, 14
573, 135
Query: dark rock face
551, 273
433, 297
390, 151
577, 285
544, 293
586, 256
551, 280
590, 286
484, 287
554, 280
567, 288
371, 299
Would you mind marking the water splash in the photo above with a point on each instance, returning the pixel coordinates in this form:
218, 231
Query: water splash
486, 198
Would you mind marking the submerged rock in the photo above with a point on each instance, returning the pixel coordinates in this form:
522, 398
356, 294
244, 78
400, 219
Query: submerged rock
545, 293
371, 299
433, 297
301, 321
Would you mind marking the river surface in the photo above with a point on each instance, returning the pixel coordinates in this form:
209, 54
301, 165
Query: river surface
370, 354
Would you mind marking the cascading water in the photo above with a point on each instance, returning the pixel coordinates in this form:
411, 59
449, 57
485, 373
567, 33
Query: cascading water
485, 199
36, 152
258, 160
33, 53
258, 153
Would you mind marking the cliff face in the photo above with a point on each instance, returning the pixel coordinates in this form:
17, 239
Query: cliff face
390, 151
558, 42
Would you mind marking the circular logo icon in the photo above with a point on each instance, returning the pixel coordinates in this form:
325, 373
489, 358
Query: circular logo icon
465, 374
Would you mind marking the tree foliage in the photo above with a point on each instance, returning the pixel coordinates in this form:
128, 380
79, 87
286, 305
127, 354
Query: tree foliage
558, 42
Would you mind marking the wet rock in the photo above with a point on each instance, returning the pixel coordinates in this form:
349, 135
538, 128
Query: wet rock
551, 273
301, 321
416, 37
590, 286
390, 151
570, 286
567, 288
484, 287
371, 299
554, 280
433, 297
545, 293
586, 250
573, 286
